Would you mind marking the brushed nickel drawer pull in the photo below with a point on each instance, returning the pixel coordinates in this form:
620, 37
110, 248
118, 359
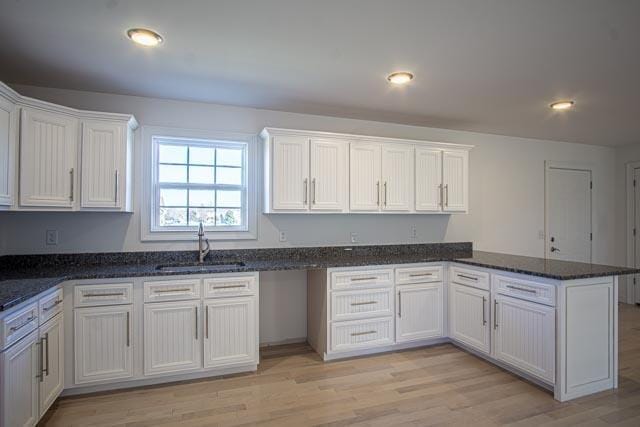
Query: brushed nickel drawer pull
441, 203
399, 304
45, 371
364, 303
71, 185
163, 291
420, 274
52, 306
313, 190
206, 322
446, 192
128, 327
40, 374
196, 307
109, 294
468, 277
484, 315
22, 325
385, 193
362, 279
495, 314
305, 184
116, 188
378, 193
230, 287
357, 334
518, 288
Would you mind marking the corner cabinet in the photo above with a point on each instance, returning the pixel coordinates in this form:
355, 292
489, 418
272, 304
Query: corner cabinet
67, 159
322, 172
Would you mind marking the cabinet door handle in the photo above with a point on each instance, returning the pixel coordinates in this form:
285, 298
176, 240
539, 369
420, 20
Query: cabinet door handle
45, 371
518, 288
495, 314
22, 325
441, 201
229, 287
378, 193
313, 190
356, 334
128, 328
484, 309
468, 277
116, 188
164, 291
420, 274
196, 307
52, 306
71, 186
206, 322
304, 190
40, 374
363, 303
399, 304
385, 193
108, 294
446, 194
360, 279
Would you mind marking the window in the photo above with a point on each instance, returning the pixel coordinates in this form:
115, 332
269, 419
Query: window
197, 180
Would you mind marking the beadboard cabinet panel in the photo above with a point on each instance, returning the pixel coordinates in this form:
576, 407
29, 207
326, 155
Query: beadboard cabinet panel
397, 177
428, 179
329, 178
419, 312
7, 150
48, 171
52, 351
290, 173
469, 316
455, 180
364, 173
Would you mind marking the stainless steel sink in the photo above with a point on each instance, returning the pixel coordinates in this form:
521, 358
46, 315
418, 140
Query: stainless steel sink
199, 268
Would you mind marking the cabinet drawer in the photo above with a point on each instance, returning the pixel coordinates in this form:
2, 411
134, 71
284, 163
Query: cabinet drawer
359, 334
229, 286
102, 294
525, 289
362, 279
406, 275
351, 305
50, 305
172, 290
470, 277
18, 324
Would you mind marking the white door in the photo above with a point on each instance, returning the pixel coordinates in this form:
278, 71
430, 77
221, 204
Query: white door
428, 179
418, 312
172, 337
102, 344
52, 350
290, 173
7, 135
455, 180
103, 164
568, 214
47, 159
364, 177
524, 336
469, 316
20, 368
329, 178
397, 177
230, 332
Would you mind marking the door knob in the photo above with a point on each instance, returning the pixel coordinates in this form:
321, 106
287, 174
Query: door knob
554, 249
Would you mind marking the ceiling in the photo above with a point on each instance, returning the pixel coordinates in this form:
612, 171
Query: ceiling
480, 65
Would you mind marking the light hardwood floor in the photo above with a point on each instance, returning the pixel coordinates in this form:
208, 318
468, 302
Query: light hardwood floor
439, 385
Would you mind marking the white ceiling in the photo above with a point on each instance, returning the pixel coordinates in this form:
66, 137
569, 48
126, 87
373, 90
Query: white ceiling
481, 65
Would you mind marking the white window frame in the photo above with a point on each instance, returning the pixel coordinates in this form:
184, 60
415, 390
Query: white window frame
150, 231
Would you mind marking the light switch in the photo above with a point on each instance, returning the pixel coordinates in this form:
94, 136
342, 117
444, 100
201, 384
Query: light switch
52, 237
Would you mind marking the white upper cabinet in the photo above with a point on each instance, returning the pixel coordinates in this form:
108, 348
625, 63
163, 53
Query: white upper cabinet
48, 172
364, 173
328, 174
397, 177
321, 172
455, 180
104, 149
7, 150
428, 179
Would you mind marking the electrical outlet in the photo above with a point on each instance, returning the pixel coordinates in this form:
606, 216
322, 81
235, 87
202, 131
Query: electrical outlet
414, 232
354, 237
51, 237
283, 236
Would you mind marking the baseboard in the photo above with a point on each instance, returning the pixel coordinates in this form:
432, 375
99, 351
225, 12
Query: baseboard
384, 349
284, 342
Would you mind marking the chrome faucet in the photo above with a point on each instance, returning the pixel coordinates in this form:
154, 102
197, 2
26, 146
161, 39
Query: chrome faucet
202, 251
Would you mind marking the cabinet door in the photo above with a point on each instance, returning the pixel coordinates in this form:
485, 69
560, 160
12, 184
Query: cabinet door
47, 159
102, 343
19, 394
290, 173
230, 332
172, 337
428, 179
397, 177
469, 316
103, 165
455, 179
418, 312
7, 161
329, 179
524, 335
364, 177
52, 348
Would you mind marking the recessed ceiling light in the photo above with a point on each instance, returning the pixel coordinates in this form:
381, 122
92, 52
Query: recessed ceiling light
144, 37
562, 105
400, 77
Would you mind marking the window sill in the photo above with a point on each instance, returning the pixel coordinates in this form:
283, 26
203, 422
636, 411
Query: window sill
176, 236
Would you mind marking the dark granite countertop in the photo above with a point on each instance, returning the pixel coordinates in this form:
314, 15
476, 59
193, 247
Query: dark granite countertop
23, 277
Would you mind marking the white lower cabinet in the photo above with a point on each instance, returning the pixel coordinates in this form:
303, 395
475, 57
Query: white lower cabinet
20, 367
230, 332
103, 343
419, 311
469, 317
172, 341
51, 378
524, 336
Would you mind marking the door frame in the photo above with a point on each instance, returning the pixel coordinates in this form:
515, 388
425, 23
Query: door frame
552, 164
631, 166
